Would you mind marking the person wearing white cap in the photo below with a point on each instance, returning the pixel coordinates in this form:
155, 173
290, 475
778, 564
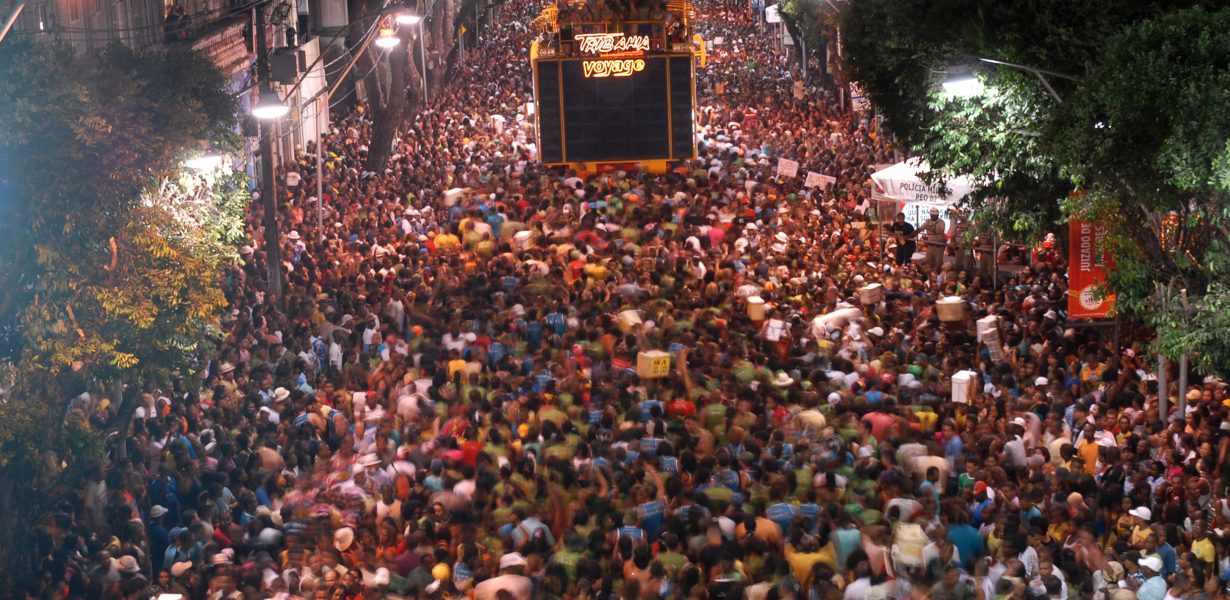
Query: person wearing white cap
1154, 586
1014, 449
511, 579
1141, 515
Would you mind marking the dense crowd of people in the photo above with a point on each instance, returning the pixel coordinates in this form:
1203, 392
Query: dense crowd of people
454, 395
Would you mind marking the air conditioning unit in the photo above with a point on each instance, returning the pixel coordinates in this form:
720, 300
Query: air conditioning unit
286, 64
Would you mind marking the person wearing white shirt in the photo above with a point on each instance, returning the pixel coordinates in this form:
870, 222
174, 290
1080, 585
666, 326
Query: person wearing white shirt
335, 355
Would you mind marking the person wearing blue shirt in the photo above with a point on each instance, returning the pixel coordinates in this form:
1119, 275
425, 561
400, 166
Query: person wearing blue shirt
967, 541
652, 513
629, 530
533, 331
1154, 586
1156, 544
779, 511
556, 321
495, 220
954, 448
928, 486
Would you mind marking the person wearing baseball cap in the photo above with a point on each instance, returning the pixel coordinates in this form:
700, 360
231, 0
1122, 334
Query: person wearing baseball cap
1141, 515
1154, 586
511, 579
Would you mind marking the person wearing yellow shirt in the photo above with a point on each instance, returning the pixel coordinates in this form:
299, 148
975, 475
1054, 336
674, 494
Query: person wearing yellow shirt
1088, 451
1141, 515
1202, 546
455, 364
808, 554
447, 242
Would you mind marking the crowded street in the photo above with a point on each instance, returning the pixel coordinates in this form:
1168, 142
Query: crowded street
502, 380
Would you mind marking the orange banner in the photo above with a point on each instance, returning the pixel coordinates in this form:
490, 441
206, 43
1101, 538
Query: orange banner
1088, 262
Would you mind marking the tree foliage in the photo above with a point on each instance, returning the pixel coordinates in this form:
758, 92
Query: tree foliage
109, 254
1140, 128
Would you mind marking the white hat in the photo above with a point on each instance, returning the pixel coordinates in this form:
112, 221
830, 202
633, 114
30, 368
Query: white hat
781, 237
180, 568
157, 511
369, 460
1151, 562
293, 235
1051, 314
343, 538
783, 380
128, 565
512, 559
834, 398
1042, 382
281, 394
1019, 421
382, 576
876, 331
1141, 512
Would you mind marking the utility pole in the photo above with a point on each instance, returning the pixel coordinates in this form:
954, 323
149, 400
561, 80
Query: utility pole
1162, 393
1183, 361
8, 23
273, 241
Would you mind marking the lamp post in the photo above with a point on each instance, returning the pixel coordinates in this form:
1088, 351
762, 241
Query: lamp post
962, 82
8, 23
386, 38
413, 19
268, 108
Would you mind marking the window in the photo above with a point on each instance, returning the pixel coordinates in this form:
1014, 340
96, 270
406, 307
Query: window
74, 10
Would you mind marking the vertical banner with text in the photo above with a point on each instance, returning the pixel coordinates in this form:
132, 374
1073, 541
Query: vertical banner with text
1088, 262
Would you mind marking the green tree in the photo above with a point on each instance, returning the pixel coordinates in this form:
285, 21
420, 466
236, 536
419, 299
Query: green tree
1149, 141
111, 275
1137, 124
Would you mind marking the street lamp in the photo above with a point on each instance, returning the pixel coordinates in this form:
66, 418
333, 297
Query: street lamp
207, 162
269, 107
388, 38
409, 18
962, 83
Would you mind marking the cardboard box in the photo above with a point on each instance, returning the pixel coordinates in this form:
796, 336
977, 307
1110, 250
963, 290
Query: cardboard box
653, 364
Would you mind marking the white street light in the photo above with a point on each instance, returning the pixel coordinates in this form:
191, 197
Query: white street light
388, 38
964, 87
962, 82
408, 19
208, 162
270, 107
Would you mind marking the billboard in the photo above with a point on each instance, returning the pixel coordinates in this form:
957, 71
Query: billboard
620, 105
1088, 262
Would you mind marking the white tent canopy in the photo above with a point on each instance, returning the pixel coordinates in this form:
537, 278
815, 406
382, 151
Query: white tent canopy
901, 183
